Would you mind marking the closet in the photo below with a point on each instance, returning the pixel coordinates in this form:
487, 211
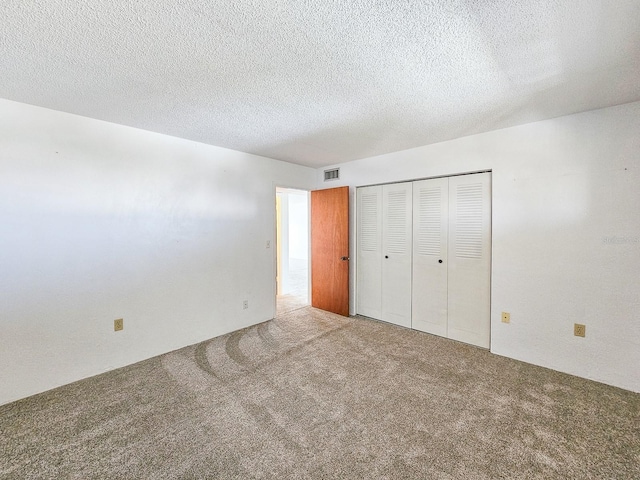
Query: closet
424, 255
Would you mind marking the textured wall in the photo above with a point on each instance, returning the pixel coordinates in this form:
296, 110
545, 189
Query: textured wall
100, 221
566, 234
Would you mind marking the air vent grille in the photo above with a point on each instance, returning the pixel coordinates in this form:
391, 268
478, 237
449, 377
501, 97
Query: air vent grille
333, 174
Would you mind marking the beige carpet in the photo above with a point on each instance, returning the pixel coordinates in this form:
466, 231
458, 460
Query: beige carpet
288, 303
313, 395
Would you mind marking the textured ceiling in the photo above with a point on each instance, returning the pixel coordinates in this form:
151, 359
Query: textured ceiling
318, 82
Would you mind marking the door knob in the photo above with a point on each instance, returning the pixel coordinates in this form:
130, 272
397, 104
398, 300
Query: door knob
344, 258
386, 256
439, 261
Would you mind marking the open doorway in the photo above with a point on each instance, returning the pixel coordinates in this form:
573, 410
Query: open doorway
292, 252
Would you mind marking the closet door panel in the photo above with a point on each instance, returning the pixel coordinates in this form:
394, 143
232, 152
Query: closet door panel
369, 248
469, 251
430, 231
396, 253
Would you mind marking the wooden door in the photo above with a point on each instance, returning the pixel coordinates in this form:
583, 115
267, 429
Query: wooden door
430, 260
330, 250
397, 205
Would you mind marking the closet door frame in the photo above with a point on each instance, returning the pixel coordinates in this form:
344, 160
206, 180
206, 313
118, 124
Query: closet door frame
456, 331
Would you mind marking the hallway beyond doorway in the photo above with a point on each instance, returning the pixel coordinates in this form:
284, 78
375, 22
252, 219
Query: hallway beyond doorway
292, 250
298, 295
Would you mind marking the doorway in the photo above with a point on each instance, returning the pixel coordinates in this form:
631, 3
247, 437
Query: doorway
292, 252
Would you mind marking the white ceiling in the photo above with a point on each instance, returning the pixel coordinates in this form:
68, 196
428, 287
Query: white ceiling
318, 82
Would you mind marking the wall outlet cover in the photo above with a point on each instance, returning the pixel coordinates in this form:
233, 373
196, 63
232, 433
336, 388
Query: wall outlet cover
579, 330
118, 325
506, 317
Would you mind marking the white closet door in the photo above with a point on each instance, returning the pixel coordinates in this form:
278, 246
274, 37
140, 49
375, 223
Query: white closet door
369, 248
396, 251
430, 230
470, 259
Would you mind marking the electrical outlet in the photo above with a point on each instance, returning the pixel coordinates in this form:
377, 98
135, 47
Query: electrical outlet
579, 330
245, 304
506, 317
118, 324
268, 243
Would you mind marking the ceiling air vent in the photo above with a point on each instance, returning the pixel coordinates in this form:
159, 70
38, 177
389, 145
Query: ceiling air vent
333, 174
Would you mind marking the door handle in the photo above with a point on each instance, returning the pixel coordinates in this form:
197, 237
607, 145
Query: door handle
344, 258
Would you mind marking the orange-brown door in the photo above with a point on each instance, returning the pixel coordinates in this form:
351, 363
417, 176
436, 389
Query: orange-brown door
330, 250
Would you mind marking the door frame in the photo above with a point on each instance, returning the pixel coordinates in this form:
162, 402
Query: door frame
275, 247
354, 226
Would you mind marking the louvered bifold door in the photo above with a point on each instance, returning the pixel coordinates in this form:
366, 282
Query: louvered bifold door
397, 203
369, 248
430, 262
470, 259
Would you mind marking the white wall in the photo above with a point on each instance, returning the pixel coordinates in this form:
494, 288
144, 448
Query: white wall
100, 221
299, 225
566, 235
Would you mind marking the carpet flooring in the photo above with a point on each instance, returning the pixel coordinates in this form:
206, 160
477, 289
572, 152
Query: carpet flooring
318, 396
288, 303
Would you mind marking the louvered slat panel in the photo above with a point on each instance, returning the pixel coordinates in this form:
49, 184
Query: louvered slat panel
396, 222
429, 221
368, 228
468, 241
